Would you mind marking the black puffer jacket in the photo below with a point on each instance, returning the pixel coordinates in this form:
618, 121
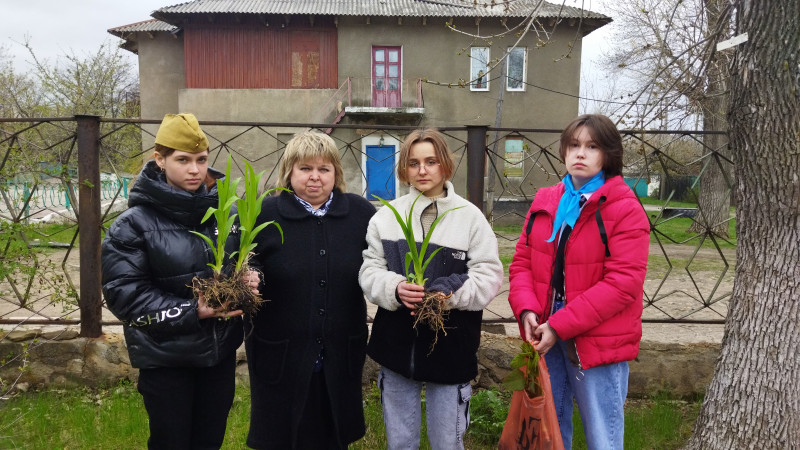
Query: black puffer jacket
149, 258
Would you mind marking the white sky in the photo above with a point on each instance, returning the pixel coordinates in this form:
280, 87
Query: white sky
59, 27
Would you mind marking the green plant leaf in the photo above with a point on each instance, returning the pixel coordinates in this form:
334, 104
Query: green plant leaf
515, 380
217, 268
249, 208
415, 255
209, 213
518, 361
428, 261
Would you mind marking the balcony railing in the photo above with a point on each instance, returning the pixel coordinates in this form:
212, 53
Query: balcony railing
355, 96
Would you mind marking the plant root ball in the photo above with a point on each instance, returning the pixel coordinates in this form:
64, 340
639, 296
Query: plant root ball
228, 293
432, 311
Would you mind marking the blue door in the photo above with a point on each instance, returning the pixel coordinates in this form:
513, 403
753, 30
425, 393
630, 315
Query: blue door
380, 172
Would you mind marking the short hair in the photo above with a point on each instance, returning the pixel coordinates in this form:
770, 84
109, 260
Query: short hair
309, 145
163, 150
604, 133
436, 138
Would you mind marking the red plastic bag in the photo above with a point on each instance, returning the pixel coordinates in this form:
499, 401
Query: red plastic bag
532, 423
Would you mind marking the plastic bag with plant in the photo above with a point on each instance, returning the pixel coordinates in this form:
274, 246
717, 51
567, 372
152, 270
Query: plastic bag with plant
532, 422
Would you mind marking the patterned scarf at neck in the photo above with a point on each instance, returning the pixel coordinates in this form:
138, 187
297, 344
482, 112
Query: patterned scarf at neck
568, 208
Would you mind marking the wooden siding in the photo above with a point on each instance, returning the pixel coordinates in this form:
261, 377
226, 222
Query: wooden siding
252, 56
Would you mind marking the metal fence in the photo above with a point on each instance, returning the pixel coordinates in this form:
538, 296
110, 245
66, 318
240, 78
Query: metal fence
50, 269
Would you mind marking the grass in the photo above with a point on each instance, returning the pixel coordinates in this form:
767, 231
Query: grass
673, 203
676, 231
114, 418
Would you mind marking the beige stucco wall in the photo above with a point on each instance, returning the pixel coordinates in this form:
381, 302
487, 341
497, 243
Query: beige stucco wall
436, 53
161, 76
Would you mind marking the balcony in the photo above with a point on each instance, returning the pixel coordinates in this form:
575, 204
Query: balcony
357, 99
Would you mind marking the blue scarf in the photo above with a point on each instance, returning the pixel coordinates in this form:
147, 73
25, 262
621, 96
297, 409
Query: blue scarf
568, 208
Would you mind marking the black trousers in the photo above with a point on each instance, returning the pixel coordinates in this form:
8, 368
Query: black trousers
188, 406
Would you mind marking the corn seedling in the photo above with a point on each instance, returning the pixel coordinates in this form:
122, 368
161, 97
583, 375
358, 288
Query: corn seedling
432, 311
229, 293
249, 208
226, 190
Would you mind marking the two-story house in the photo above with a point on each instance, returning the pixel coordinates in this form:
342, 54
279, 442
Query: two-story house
389, 62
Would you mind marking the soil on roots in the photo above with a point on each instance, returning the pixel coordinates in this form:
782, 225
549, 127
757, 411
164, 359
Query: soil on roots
432, 311
228, 293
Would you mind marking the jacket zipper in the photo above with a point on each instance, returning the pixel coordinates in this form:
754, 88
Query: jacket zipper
579, 375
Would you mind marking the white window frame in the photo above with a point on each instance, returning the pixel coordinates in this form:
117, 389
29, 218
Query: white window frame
522, 86
475, 66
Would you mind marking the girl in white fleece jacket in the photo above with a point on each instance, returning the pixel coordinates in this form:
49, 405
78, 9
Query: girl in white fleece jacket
467, 266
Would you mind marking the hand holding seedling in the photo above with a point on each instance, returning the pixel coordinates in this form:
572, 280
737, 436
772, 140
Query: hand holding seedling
432, 308
250, 279
546, 338
410, 294
204, 311
530, 322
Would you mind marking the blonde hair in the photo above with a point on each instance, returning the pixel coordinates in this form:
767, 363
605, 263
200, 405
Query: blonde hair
440, 148
309, 145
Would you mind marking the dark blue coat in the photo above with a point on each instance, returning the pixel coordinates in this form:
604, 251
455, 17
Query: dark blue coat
314, 301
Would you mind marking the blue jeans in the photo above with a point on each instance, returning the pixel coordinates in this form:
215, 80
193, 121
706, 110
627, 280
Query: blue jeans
600, 393
446, 408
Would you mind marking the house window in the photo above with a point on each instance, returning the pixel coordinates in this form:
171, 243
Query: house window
517, 69
479, 68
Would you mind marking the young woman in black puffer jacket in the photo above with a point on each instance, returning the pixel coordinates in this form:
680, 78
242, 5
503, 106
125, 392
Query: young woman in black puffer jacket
185, 350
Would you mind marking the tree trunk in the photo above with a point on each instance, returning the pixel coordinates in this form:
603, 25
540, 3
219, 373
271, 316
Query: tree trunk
753, 400
714, 199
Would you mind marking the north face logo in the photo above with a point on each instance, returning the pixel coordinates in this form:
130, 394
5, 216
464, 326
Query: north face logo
459, 255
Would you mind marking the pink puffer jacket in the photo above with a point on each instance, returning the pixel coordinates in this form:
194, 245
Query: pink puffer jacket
604, 293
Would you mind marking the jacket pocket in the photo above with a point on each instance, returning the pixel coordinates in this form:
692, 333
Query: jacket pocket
269, 359
356, 353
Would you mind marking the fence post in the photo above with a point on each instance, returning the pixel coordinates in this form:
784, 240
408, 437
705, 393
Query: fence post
88, 212
476, 163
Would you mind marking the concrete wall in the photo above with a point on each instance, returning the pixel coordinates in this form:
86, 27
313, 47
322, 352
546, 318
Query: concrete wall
161, 76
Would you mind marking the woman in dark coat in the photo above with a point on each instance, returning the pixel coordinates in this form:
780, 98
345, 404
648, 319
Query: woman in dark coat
184, 349
308, 342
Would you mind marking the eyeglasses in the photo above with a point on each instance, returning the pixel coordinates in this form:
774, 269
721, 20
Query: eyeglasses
429, 164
